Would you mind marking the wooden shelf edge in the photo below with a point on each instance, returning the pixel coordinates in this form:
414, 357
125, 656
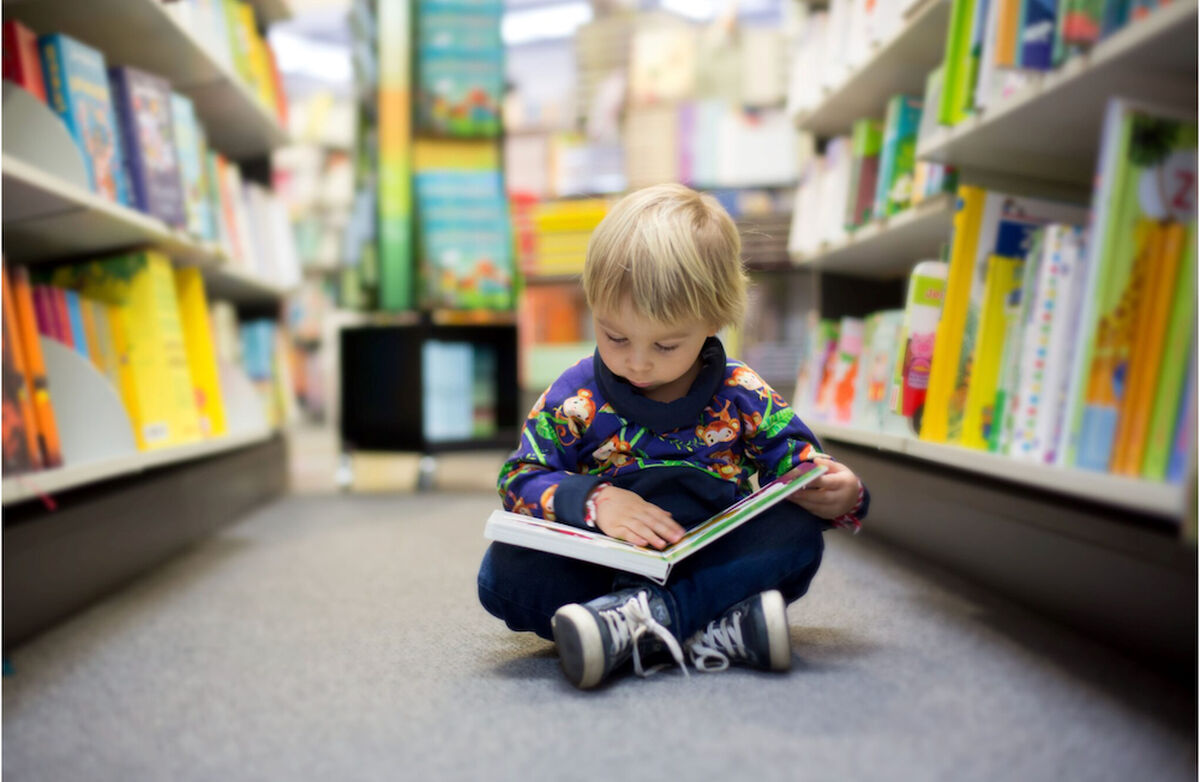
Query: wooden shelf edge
34, 484
1156, 499
940, 206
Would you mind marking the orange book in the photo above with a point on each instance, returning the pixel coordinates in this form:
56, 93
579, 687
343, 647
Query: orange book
1007, 22
35, 367
1163, 256
12, 343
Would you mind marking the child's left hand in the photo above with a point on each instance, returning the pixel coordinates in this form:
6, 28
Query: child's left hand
831, 495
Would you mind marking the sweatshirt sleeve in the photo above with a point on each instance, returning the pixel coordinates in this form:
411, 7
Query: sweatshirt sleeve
777, 440
540, 477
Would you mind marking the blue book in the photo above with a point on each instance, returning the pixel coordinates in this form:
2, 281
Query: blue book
78, 92
75, 318
893, 188
191, 150
143, 104
1037, 34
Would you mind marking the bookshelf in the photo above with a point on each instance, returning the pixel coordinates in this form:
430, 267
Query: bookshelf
887, 248
142, 34
47, 218
271, 11
1156, 499
111, 512
1153, 59
898, 65
1100, 552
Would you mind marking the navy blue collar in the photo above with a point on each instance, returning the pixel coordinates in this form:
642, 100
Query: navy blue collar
665, 416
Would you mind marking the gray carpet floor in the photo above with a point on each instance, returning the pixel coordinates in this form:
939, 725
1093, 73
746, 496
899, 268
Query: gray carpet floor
339, 638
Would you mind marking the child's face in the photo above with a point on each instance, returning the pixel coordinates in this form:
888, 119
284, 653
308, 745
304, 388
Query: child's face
660, 361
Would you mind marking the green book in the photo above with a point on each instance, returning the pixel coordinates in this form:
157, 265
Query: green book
958, 85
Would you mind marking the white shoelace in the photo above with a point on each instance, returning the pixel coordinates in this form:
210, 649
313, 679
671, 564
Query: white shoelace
629, 622
719, 640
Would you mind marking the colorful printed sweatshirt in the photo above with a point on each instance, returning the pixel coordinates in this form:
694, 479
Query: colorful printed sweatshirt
693, 456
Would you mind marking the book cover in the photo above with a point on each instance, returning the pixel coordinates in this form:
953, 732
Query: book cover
881, 342
919, 335
1146, 354
143, 104
1081, 22
845, 370
78, 91
189, 151
1178, 346
1146, 181
239, 39
62, 316
1002, 288
596, 547
1018, 315
75, 320
22, 65
1185, 429
201, 354
22, 450
156, 382
90, 335
35, 367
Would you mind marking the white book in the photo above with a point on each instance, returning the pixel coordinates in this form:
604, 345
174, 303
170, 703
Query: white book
565, 540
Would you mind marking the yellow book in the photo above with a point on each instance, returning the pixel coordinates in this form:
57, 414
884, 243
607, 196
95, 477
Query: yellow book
258, 60
156, 381
201, 353
1003, 278
948, 342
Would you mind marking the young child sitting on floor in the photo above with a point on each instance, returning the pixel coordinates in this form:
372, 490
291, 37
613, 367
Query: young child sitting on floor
653, 434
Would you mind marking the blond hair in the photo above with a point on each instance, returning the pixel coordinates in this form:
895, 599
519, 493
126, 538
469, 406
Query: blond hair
673, 252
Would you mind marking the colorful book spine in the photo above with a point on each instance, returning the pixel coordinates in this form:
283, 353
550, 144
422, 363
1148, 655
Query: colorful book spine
75, 318
394, 253
189, 151
79, 92
35, 367
22, 450
864, 175
1004, 277
1037, 35
202, 360
22, 65
1185, 429
1018, 313
62, 316
143, 103
944, 364
1082, 22
922, 316
1144, 361
893, 191
1179, 344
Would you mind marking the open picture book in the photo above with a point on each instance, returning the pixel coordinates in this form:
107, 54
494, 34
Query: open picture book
595, 546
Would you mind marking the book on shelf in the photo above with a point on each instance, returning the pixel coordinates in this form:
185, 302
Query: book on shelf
201, 353
893, 191
1142, 206
1003, 285
156, 385
29, 336
881, 343
190, 151
21, 448
22, 64
78, 89
143, 107
568, 541
867, 143
919, 332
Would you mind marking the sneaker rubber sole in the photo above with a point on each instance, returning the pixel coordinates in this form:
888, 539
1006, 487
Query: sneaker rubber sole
779, 639
580, 647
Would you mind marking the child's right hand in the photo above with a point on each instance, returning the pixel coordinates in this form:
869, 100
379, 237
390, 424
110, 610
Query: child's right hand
624, 515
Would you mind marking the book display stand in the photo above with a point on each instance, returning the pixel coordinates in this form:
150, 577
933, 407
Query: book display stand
75, 532
1101, 552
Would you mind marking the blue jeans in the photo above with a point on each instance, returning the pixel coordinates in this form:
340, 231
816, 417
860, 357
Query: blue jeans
780, 549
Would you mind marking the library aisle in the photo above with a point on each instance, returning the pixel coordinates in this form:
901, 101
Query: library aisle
335, 636
286, 281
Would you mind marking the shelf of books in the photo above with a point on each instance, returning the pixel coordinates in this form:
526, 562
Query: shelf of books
871, 70
887, 247
211, 52
58, 479
1042, 124
1158, 499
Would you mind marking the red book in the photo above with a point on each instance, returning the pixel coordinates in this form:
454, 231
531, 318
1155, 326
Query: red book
22, 65
62, 316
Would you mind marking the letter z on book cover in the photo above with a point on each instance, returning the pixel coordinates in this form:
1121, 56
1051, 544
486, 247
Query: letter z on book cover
568, 541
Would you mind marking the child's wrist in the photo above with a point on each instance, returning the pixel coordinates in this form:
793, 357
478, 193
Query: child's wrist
589, 506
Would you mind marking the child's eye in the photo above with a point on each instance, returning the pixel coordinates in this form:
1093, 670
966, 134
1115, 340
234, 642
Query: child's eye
665, 348
616, 340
